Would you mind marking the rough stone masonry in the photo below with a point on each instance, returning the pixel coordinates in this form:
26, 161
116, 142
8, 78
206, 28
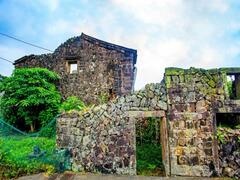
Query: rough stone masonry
186, 101
86, 64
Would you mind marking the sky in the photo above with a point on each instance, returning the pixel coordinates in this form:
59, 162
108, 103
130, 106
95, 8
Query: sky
166, 33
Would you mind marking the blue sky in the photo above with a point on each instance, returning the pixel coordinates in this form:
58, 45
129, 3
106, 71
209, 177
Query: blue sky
179, 33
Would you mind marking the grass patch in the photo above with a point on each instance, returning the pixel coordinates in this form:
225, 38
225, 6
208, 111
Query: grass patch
15, 160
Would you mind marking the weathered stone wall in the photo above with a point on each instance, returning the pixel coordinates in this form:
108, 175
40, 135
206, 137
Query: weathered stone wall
186, 100
103, 68
192, 95
229, 152
103, 139
31, 61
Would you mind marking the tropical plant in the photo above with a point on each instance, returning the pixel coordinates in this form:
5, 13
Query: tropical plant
221, 136
72, 103
30, 98
103, 98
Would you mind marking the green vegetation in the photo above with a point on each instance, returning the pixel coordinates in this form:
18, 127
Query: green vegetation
103, 98
223, 134
230, 89
221, 137
30, 99
2, 77
15, 157
30, 102
149, 151
149, 159
72, 103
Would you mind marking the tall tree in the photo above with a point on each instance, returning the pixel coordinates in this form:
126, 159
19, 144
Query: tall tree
30, 98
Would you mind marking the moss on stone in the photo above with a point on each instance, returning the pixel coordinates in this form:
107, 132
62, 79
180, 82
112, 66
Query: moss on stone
211, 83
168, 81
174, 71
230, 70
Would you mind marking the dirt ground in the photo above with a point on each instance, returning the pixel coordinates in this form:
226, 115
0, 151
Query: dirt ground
74, 176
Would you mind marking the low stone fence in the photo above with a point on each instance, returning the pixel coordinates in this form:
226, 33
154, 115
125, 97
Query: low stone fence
103, 138
229, 152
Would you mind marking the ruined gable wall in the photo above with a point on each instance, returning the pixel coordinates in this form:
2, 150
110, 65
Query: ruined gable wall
100, 70
32, 61
103, 139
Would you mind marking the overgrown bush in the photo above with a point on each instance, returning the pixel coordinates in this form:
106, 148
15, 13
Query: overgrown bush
149, 159
15, 158
72, 103
30, 99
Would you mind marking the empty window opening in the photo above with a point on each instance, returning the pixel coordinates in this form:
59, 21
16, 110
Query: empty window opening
72, 67
112, 95
148, 147
233, 84
228, 120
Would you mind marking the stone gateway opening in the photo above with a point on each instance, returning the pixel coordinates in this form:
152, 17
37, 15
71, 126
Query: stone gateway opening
149, 147
151, 142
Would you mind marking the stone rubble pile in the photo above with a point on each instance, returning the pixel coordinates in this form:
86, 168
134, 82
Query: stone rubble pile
229, 153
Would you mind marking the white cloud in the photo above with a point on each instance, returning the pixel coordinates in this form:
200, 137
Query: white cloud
220, 6
63, 26
153, 11
188, 34
165, 32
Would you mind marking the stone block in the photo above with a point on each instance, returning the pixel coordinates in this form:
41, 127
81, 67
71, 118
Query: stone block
208, 152
182, 160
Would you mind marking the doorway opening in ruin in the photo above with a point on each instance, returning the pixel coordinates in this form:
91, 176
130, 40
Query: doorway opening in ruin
227, 144
149, 147
155, 125
233, 85
228, 120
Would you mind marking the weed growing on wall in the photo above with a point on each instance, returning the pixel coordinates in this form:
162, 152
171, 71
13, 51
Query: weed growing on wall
72, 103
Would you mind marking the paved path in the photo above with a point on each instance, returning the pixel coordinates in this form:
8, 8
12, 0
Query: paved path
71, 176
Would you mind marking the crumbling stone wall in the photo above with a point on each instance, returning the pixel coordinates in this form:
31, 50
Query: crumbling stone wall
194, 96
229, 152
190, 97
103, 68
186, 100
103, 139
31, 61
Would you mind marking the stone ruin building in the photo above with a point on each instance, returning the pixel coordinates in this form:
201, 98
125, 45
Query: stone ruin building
190, 104
86, 64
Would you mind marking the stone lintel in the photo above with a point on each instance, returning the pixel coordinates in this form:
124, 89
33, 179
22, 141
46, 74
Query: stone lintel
143, 114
